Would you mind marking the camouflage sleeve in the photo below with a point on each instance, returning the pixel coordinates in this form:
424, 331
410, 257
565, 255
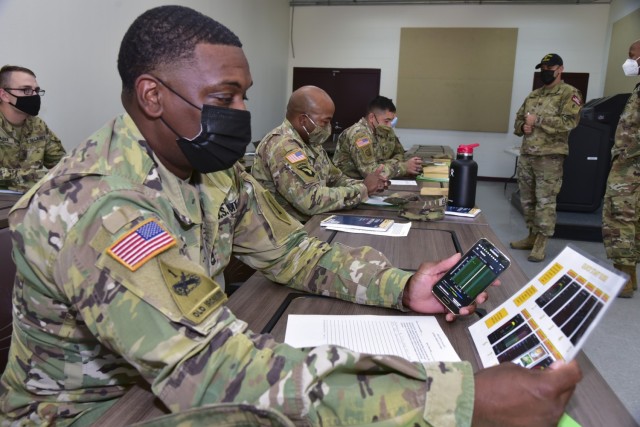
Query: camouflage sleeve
398, 157
301, 184
363, 153
565, 116
517, 126
336, 178
166, 319
19, 179
53, 150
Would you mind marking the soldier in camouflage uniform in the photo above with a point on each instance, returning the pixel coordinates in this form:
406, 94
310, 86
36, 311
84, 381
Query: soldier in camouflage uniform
544, 120
291, 163
120, 252
27, 145
372, 142
621, 207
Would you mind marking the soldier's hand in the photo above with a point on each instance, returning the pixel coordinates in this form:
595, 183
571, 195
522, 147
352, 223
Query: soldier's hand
527, 129
510, 395
530, 119
414, 166
418, 296
376, 181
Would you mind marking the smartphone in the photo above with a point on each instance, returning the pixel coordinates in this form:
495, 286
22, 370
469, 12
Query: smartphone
471, 275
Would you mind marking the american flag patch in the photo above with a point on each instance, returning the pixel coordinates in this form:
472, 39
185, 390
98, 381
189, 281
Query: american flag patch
362, 142
576, 99
296, 156
141, 244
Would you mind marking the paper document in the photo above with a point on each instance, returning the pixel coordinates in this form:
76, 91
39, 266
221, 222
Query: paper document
377, 201
415, 338
396, 230
403, 182
550, 318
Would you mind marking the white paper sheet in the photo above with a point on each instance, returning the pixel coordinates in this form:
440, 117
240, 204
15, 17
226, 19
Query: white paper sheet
396, 230
415, 338
403, 182
377, 201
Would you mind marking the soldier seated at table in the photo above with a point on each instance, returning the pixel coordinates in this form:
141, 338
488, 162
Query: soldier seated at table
372, 142
27, 146
291, 162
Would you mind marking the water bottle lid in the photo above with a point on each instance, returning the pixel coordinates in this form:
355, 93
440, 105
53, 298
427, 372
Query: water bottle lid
467, 149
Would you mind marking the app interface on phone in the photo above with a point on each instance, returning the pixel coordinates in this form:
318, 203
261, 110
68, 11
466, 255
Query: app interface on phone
477, 270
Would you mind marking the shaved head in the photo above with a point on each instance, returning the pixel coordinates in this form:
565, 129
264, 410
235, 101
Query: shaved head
309, 100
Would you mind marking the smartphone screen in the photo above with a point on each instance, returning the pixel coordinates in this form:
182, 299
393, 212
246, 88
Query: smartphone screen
475, 271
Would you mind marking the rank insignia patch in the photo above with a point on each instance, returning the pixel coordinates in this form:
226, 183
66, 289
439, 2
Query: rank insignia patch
141, 244
363, 142
296, 156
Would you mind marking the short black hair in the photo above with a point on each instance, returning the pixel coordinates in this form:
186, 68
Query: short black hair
381, 103
6, 70
165, 35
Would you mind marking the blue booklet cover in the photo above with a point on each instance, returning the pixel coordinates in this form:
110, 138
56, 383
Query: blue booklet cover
458, 211
357, 222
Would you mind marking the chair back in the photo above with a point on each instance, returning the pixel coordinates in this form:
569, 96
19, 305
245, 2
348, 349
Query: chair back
7, 276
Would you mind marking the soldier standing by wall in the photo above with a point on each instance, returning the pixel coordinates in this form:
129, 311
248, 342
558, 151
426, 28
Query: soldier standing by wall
544, 120
621, 208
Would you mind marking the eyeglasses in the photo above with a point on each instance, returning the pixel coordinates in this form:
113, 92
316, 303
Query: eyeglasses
27, 90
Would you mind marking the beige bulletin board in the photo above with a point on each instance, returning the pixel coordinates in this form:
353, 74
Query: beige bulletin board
624, 32
456, 78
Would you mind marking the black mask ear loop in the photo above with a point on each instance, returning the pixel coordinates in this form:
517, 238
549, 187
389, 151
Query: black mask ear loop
185, 100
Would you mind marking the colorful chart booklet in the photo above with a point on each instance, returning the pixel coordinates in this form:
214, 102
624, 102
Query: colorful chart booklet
551, 317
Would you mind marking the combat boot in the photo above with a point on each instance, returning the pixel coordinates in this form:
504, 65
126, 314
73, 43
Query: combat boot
631, 284
526, 243
537, 252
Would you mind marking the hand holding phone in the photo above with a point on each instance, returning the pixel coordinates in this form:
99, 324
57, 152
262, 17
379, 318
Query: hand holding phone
471, 275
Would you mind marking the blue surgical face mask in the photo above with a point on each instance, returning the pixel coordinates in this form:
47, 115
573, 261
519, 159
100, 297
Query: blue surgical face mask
394, 122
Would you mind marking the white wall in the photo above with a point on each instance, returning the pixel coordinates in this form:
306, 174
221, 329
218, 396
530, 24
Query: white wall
369, 37
72, 46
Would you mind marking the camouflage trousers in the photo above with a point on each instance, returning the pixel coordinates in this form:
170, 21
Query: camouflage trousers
621, 212
539, 180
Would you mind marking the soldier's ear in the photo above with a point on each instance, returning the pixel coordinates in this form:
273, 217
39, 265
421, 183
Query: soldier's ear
148, 95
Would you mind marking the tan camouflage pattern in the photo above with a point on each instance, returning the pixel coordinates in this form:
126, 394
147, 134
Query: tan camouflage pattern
539, 181
426, 208
26, 153
86, 328
307, 185
358, 162
543, 151
621, 206
221, 415
558, 112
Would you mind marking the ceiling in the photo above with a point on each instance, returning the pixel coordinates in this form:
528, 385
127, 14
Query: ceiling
427, 2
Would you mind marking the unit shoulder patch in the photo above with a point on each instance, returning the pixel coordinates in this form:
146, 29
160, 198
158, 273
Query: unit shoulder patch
196, 295
140, 244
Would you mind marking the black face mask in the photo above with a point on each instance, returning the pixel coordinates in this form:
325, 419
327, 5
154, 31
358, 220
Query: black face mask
547, 76
28, 104
223, 138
